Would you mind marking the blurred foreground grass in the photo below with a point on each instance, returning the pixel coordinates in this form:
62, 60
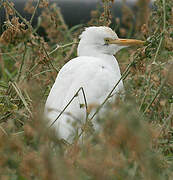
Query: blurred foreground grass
136, 143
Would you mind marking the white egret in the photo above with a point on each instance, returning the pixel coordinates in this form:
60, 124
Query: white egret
95, 71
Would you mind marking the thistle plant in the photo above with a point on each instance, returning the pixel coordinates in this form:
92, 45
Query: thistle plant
136, 141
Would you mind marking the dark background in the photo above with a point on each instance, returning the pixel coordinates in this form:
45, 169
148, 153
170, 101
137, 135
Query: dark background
74, 11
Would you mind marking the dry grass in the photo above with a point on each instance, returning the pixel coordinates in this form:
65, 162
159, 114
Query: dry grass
136, 143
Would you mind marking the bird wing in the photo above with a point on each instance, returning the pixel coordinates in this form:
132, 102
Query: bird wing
94, 76
88, 72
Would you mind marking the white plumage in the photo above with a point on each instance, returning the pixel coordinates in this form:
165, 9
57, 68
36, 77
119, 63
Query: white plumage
95, 70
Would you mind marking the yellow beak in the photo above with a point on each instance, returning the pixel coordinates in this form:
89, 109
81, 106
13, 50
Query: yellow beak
127, 42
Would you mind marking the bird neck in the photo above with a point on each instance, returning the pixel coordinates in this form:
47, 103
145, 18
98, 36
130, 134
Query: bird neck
107, 59
92, 51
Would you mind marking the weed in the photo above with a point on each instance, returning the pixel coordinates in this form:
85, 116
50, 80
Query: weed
136, 142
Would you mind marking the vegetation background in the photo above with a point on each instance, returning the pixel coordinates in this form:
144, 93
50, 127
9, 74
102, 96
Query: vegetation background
136, 143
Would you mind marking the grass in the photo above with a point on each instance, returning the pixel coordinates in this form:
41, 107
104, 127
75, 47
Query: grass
136, 143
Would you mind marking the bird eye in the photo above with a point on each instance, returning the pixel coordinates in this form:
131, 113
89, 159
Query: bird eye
107, 41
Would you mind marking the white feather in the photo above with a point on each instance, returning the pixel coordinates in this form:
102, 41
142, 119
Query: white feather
95, 70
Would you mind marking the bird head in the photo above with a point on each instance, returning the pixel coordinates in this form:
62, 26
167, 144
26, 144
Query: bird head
102, 40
